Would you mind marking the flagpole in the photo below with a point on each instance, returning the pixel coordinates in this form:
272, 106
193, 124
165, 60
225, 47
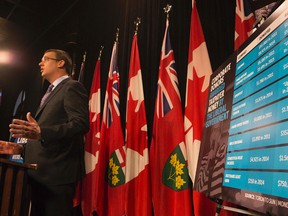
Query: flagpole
81, 72
84, 56
117, 36
117, 42
137, 22
167, 10
100, 52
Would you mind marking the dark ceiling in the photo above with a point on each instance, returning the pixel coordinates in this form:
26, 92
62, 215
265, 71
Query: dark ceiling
27, 28
31, 21
85, 25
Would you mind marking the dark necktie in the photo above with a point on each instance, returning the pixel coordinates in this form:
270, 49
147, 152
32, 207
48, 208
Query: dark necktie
48, 92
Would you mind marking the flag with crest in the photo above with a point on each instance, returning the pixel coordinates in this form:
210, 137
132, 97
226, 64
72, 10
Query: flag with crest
111, 172
171, 185
92, 146
244, 20
138, 188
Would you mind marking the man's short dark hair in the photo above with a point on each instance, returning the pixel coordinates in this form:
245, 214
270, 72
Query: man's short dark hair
63, 55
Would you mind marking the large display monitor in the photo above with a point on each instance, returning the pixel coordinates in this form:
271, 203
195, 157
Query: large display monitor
244, 152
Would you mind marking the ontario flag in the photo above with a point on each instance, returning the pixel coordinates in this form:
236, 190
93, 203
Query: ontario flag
171, 185
92, 146
138, 186
198, 79
244, 20
111, 173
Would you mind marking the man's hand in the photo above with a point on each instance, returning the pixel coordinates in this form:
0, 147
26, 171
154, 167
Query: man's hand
25, 129
10, 148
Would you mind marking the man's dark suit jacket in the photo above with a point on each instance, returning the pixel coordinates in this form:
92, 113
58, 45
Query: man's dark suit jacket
63, 119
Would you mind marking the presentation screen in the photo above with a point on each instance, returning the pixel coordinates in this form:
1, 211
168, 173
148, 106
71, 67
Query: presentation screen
244, 152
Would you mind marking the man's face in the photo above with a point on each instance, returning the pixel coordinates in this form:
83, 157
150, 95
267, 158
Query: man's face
49, 64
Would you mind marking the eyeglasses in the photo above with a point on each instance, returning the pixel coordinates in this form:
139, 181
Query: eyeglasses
46, 58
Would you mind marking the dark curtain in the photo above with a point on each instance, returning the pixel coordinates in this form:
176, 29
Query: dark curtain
87, 25
90, 24
100, 19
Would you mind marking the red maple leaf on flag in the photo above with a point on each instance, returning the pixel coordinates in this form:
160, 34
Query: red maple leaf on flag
138, 188
92, 146
198, 78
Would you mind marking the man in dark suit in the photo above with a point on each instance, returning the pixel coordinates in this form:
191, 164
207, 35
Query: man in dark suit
55, 138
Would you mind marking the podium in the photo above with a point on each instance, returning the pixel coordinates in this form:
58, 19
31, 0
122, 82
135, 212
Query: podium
14, 191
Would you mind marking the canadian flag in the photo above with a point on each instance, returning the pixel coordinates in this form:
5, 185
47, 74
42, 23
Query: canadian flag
138, 187
92, 146
198, 79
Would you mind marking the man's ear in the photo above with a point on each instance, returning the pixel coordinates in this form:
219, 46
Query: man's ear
61, 63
